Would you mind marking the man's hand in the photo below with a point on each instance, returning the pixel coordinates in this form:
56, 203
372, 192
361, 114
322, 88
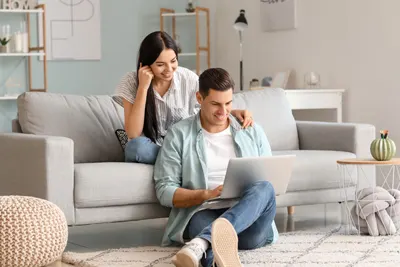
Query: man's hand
208, 194
186, 198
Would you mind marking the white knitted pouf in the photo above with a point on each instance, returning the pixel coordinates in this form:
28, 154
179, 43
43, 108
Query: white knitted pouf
33, 232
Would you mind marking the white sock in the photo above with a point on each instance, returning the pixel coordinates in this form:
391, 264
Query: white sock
202, 242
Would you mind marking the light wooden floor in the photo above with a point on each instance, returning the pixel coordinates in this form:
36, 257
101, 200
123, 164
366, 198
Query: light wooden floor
149, 232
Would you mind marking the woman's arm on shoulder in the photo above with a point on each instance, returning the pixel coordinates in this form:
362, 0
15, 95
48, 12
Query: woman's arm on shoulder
244, 116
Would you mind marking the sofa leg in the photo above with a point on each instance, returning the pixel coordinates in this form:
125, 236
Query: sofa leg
290, 210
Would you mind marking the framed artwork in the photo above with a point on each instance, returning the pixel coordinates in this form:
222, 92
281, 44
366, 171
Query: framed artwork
280, 79
278, 15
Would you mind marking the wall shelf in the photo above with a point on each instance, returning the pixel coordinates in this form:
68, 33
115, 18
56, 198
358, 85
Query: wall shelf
8, 97
180, 14
190, 54
21, 54
40, 12
199, 11
23, 11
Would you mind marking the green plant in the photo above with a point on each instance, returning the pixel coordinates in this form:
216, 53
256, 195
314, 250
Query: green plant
383, 148
4, 41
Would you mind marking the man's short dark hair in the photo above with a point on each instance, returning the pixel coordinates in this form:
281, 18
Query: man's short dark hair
215, 78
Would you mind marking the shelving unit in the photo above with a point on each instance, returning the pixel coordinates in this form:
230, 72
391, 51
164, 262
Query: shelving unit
8, 97
21, 54
21, 11
32, 50
200, 50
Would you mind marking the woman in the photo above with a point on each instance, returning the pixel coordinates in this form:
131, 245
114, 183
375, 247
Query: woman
156, 96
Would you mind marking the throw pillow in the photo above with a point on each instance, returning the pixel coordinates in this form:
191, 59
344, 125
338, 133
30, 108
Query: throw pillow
122, 137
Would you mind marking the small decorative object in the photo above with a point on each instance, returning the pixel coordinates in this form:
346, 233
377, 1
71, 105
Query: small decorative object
21, 39
3, 44
377, 211
383, 148
190, 8
33, 231
18, 4
6, 39
311, 80
254, 83
266, 81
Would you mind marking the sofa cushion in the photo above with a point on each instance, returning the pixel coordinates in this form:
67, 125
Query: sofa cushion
113, 184
272, 111
316, 169
90, 121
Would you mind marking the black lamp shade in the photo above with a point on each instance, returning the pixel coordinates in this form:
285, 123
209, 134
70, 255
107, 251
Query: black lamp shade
241, 21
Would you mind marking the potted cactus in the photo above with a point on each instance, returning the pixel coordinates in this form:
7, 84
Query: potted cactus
3, 44
383, 148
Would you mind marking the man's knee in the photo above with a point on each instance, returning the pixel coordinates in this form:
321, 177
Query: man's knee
265, 188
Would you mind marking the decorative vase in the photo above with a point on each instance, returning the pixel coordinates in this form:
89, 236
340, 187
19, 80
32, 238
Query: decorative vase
190, 8
383, 148
3, 49
254, 83
312, 80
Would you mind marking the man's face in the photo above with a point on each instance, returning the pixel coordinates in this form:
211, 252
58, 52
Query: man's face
216, 106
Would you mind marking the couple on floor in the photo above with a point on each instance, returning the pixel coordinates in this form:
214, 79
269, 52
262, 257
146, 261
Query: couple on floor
183, 123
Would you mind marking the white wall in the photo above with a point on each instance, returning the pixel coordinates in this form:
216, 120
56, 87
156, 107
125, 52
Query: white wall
353, 44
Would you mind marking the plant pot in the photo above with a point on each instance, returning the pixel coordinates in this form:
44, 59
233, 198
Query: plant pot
3, 49
383, 148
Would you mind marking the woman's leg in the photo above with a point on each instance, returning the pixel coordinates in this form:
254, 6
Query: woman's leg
141, 150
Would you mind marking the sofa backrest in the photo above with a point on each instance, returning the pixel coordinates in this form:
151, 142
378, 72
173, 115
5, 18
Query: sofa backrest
271, 110
90, 121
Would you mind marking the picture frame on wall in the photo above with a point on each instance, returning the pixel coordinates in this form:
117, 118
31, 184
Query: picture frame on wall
281, 79
278, 15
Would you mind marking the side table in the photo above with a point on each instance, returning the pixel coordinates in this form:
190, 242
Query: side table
352, 173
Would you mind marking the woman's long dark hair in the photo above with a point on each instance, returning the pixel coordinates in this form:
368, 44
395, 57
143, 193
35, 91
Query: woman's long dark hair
150, 48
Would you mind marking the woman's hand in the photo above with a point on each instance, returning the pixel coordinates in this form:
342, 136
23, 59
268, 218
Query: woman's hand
145, 77
244, 116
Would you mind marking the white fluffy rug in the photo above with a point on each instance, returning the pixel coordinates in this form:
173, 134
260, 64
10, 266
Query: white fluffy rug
317, 248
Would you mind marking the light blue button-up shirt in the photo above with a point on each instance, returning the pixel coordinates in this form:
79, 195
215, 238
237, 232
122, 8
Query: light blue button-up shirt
182, 162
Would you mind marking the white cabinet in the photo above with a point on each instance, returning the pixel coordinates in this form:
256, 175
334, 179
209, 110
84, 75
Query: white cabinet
303, 99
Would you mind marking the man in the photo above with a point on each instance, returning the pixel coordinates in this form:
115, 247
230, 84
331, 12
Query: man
191, 167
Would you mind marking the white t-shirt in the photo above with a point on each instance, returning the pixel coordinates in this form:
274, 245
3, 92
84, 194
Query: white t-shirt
219, 149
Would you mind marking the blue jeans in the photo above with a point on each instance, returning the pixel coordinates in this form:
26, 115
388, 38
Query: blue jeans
251, 217
141, 150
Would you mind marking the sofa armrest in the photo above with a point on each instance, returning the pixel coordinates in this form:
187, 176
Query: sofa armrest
350, 137
38, 166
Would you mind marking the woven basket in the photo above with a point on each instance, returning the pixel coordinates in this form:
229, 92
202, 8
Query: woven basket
33, 232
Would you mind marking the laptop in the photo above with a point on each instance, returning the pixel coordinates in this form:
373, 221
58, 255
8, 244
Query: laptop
242, 172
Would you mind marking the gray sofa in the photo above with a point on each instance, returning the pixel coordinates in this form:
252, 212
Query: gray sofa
64, 149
